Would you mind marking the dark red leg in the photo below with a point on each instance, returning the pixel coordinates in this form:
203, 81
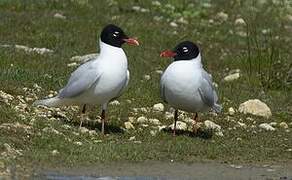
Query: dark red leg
82, 115
175, 119
102, 121
196, 119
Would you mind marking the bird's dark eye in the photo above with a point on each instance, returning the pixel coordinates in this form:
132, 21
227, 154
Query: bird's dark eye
185, 50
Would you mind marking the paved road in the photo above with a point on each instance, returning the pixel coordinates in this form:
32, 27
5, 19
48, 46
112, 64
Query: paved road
171, 171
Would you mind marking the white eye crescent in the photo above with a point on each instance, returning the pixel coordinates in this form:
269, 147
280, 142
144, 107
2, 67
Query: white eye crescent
116, 33
185, 49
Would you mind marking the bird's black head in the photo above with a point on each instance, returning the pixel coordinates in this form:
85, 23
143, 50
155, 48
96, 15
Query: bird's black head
115, 36
186, 50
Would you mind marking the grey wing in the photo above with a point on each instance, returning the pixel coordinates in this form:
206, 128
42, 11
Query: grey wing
80, 81
125, 84
209, 78
207, 90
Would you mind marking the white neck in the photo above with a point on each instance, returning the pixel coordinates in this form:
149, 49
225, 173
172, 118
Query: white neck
111, 54
197, 61
105, 48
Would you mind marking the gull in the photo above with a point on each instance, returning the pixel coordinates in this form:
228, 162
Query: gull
100, 80
185, 85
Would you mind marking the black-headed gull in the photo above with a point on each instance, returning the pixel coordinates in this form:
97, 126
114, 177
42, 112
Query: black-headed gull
99, 80
185, 85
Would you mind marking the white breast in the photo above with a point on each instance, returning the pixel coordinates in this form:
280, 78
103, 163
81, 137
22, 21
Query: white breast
181, 81
112, 64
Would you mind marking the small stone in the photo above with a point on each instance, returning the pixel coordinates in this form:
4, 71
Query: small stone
84, 58
73, 64
231, 111
131, 119
156, 3
284, 125
173, 24
144, 10
158, 18
270, 170
59, 16
83, 130
153, 132
236, 166
222, 16
266, 31
182, 20
240, 21
273, 124
144, 125
129, 125
97, 141
243, 125
115, 103
160, 128
179, 126
289, 17
154, 121
255, 107
159, 72
266, 127
132, 138
136, 8
147, 77
219, 133
142, 119
66, 126
241, 33
92, 132
211, 125
129, 101
55, 152
36, 86
189, 120
28, 99
143, 109
168, 115
232, 77
158, 107
78, 143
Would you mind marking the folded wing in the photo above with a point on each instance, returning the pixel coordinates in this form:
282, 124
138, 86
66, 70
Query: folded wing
81, 80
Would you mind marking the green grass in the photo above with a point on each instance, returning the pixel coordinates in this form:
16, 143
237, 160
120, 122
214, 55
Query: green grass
264, 60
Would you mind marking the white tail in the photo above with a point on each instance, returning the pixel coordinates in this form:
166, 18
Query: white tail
51, 102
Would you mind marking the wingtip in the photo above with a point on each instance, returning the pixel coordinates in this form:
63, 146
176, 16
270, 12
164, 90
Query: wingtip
217, 108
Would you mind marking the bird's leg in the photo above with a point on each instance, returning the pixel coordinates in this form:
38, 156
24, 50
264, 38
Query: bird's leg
102, 121
175, 119
196, 119
82, 115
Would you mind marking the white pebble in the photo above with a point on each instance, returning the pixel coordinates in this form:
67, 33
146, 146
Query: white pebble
142, 119
147, 77
173, 24
159, 107
115, 103
266, 127
239, 21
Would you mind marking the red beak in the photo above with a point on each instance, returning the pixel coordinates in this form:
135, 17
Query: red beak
167, 53
132, 41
